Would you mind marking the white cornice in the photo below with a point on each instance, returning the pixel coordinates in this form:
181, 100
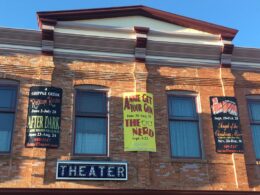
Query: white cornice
179, 61
129, 33
19, 48
90, 55
245, 65
94, 30
93, 53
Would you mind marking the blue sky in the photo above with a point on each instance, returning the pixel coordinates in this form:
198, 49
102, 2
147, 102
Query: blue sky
243, 15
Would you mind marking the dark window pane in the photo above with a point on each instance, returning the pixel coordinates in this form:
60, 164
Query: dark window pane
6, 127
184, 132
255, 110
88, 102
182, 107
91, 135
184, 139
256, 139
7, 98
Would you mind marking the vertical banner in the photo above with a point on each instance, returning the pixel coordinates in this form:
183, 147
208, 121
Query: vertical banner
139, 131
43, 121
226, 125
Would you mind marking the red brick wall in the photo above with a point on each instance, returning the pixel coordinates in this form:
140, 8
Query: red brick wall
35, 167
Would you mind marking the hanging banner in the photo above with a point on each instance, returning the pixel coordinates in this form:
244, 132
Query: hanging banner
139, 131
226, 125
43, 121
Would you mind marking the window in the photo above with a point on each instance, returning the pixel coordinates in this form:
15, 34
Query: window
254, 113
90, 122
184, 127
8, 93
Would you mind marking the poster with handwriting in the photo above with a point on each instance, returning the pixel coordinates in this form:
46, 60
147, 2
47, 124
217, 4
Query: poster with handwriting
226, 125
139, 131
44, 117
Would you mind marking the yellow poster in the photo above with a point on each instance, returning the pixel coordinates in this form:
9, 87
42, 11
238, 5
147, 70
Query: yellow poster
139, 131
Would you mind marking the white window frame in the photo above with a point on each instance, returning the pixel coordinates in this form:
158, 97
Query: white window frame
92, 88
196, 96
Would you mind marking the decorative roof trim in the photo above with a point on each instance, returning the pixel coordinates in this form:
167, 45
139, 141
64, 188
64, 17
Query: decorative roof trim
141, 43
100, 13
226, 55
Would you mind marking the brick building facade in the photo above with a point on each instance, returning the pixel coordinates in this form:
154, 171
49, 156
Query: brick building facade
129, 49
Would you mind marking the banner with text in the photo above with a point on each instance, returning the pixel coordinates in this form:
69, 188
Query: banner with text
139, 131
226, 125
43, 121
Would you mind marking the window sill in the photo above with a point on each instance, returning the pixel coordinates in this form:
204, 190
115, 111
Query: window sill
190, 160
86, 158
5, 155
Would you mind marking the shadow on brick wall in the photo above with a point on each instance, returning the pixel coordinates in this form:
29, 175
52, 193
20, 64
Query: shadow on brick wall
214, 171
17, 166
247, 83
29, 167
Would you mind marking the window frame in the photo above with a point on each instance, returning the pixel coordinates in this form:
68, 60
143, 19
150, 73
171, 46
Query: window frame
194, 96
250, 99
91, 89
7, 83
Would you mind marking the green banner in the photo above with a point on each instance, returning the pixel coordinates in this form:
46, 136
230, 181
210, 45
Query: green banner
139, 131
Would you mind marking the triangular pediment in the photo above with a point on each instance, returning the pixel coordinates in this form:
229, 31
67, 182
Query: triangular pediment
136, 16
128, 22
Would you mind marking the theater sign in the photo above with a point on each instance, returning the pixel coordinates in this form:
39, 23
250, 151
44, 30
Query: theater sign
91, 170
